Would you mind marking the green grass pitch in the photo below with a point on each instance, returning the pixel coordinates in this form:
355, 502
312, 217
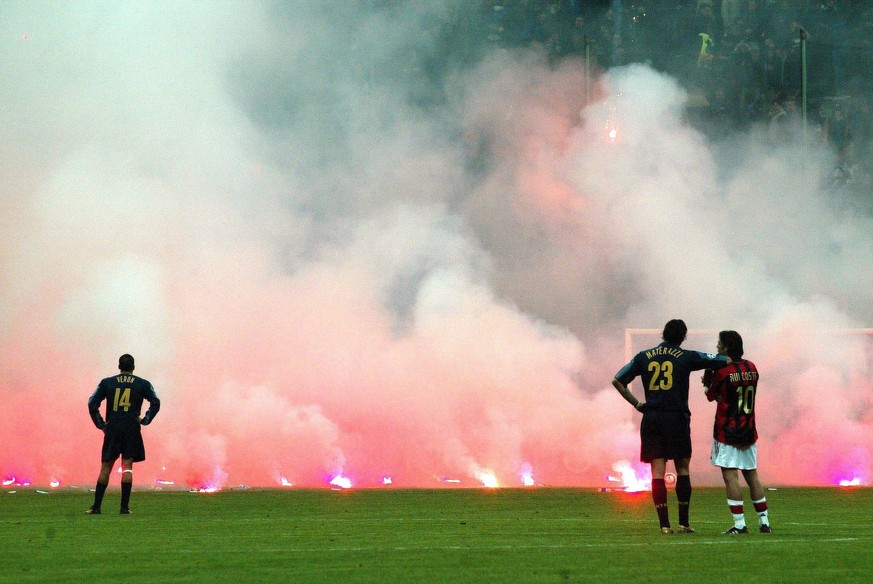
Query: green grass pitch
535, 535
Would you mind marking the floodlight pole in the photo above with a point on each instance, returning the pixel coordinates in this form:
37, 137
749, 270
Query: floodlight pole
587, 69
803, 86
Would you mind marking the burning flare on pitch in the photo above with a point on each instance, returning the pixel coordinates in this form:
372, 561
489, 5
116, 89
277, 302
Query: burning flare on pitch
488, 479
629, 479
341, 482
527, 478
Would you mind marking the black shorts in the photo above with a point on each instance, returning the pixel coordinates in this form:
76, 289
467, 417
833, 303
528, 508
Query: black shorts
665, 435
125, 441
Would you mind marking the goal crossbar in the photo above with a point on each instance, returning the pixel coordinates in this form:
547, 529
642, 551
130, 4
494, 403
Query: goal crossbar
630, 333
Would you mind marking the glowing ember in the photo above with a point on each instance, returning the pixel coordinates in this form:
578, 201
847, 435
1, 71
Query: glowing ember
209, 486
208, 483
488, 479
16, 482
855, 482
164, 481
613, 133
341, 482
447, 480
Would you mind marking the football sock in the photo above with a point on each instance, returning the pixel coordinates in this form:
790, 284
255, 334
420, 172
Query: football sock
98, 494
125, 494
659, 496
736, 508
683, 493
761, 510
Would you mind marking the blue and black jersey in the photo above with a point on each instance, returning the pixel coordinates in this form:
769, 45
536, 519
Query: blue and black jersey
665, 371
124, 394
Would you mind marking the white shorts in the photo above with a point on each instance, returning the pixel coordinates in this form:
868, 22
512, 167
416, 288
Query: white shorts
727, 456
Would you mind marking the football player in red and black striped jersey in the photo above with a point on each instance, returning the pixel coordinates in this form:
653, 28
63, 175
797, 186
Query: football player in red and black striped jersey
734, 387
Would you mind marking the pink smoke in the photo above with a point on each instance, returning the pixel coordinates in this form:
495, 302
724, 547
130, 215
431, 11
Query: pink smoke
391, 312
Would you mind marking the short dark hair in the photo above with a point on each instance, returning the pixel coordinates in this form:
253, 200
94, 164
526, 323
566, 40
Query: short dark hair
675, 331
732, 343
125, 363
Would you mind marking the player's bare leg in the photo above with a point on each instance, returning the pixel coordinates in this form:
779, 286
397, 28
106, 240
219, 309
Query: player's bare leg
734, 492
102, 483
126, 484
731, 479
683, 493
759, 500
105, 472
756, 490
659, 493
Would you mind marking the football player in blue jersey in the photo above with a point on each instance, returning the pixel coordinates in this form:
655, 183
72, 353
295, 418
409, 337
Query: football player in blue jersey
665, 430
122, 432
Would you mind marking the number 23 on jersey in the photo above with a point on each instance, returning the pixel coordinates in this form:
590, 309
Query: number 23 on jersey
662, 375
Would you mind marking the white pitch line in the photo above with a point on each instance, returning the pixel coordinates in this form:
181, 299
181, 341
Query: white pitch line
687, 540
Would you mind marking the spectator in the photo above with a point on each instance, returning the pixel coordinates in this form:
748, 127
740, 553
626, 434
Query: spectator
778, 130
838, 133
730, 17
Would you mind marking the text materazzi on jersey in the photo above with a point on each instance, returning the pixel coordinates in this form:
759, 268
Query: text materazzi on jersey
672, 351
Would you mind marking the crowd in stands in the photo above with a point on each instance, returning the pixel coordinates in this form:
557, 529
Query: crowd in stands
742, 60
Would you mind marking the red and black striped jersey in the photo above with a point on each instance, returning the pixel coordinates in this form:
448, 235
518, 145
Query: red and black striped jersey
734, 387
